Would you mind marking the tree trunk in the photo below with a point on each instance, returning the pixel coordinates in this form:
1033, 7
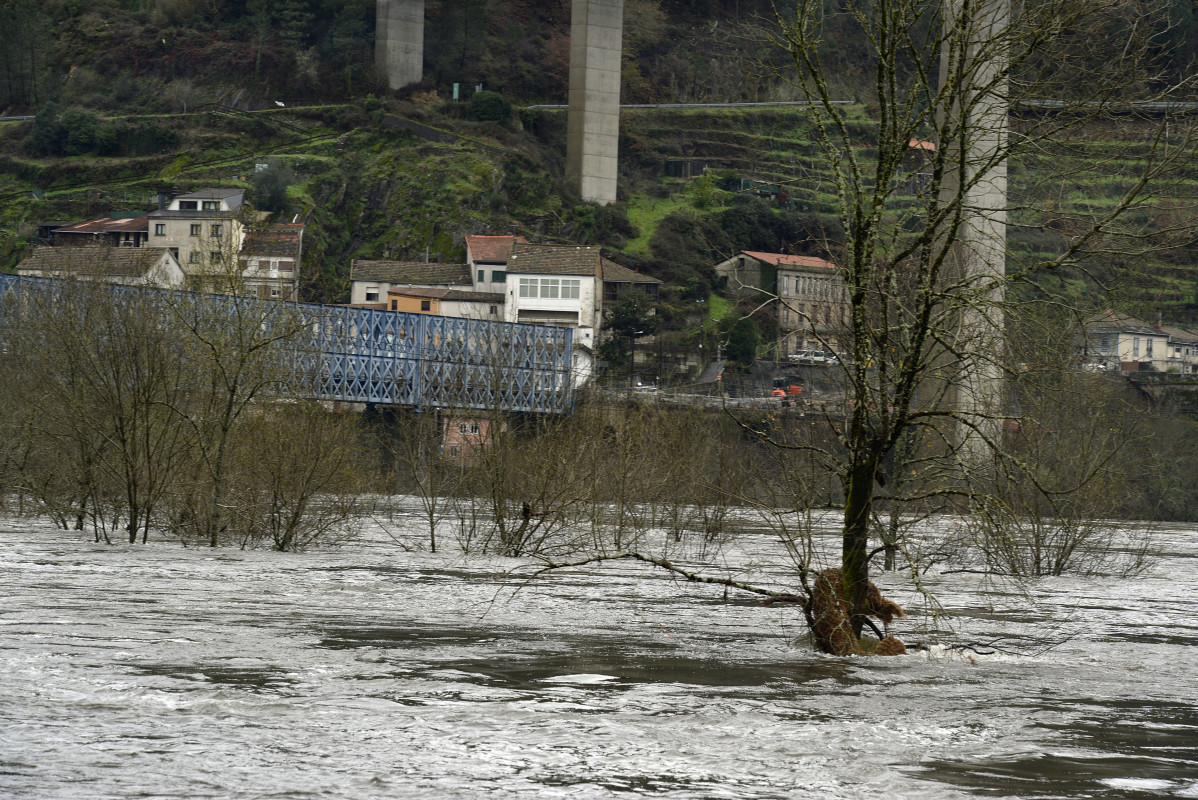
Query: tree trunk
858, 509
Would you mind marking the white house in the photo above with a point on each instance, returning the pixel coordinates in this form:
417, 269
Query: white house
487, 257
1182, 350
1120, 341
128, 266
204, 232
568, 285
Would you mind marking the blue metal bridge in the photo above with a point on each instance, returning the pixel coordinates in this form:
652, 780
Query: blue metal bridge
370, 356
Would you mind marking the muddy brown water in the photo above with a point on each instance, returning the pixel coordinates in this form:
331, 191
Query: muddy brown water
367, 671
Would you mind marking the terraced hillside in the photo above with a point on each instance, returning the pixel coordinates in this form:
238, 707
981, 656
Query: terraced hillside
1055, 193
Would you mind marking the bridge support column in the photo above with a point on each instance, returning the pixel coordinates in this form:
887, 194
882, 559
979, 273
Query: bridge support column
593, 128
399, 41
978, 255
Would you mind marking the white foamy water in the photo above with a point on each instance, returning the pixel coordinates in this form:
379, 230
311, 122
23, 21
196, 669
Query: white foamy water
369, 671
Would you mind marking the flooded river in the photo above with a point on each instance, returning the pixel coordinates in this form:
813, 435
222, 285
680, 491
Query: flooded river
372, 672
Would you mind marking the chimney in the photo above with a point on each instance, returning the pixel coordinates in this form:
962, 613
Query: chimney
162, 200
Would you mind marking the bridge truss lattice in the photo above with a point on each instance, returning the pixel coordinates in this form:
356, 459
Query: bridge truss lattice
369, 355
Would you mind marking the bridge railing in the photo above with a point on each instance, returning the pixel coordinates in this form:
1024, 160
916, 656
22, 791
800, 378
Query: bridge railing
375, 356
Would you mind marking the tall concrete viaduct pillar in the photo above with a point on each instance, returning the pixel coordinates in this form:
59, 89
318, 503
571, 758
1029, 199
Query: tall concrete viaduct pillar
593, 127
399, 41
974, 72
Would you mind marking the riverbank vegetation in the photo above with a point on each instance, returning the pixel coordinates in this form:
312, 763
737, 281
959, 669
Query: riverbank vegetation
123, 422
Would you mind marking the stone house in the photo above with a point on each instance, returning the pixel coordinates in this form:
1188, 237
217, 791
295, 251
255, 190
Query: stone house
127, 266
371, 280
748, 274
270, 260
813, 305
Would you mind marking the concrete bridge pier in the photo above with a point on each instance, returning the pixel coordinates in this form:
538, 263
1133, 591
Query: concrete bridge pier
399, 41
593, 126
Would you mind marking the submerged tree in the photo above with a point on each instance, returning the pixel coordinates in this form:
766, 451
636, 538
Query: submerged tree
962, 89
929, 277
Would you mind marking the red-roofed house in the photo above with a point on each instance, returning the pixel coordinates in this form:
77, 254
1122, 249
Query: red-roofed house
813, 305
812, 301
117, 232
752, 273
488, 257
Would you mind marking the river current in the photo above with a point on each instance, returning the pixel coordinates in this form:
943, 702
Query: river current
372, 671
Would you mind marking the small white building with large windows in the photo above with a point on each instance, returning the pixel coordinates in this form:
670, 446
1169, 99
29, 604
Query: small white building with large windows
567, 285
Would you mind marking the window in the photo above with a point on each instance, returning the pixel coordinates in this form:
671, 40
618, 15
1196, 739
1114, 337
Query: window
453, 451
372, 294
498, 276
216, 257
195, 229
274, 292
550, 287
462, 428
494, 309
193, 257
528, 287
474, 428
395, 305
426, 305
1148, 347
570, 287
188, 205
216, 228
160, 229
481, 277
1135, 346
211, 205
1104, 344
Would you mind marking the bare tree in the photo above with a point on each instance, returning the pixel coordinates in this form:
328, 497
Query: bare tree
928, 280
296, 476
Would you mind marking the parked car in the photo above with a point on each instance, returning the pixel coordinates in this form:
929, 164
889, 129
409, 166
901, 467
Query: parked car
813, 357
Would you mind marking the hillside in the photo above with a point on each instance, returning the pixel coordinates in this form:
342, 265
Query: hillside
177, 94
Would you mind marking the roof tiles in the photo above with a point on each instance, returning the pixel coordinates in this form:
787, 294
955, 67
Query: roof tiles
94, 261
409, 272
491, 249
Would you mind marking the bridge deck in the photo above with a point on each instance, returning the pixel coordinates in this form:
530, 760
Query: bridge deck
385, 357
